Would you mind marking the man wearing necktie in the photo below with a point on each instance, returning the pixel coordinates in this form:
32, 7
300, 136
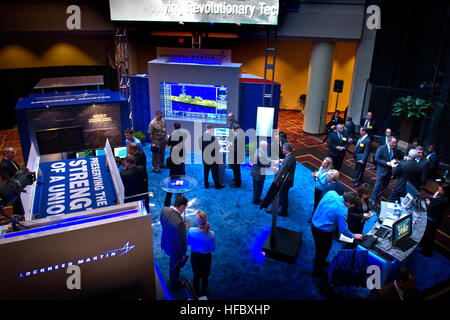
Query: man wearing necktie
369, 124
337, 144
423, 164
361, 155
386, 158
8, 169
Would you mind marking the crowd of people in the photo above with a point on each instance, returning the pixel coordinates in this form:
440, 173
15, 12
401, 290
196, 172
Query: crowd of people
334, 210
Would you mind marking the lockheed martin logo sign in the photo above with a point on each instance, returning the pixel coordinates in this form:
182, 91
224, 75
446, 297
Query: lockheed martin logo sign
83, 260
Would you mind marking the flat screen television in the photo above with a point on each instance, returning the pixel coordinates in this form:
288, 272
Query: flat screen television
206, 11
58, 140
194, 102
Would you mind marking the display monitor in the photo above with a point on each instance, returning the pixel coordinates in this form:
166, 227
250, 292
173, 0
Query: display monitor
221, 132
58, 140
209, 11
401, 229
120, 152
264, 121
194, 102
412, 191
100, 152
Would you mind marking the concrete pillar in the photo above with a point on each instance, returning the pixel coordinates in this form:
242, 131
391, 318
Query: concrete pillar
320, 68
359, 101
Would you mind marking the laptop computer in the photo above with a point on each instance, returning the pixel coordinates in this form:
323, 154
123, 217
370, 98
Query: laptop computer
401, 233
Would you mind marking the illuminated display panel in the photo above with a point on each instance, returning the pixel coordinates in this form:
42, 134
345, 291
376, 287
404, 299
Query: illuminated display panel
207, 11
194, 102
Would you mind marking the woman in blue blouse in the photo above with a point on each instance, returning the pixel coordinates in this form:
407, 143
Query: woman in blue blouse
320, 176
202, 241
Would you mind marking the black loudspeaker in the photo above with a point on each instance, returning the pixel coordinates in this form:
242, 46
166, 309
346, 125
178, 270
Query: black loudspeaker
338, 85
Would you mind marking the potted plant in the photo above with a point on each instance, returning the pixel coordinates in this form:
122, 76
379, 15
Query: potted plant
411, 110
140, 135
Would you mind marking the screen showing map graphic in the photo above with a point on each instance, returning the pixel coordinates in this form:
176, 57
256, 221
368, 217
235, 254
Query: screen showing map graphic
194, 102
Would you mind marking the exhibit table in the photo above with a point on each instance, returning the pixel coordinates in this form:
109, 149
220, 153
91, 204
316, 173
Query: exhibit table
178, 185
384, 247
383, 253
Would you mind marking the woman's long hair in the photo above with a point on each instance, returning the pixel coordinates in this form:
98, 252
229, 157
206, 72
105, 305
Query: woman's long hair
202, 220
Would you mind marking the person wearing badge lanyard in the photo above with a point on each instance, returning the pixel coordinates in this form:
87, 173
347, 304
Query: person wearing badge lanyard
337, 144
361, 155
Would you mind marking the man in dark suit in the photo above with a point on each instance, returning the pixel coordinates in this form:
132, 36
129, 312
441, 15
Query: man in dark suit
237, 154
232, 120
331, 125
349, 129
402, 288
361, 155
337, 144
436, 207
369, 124
210, 156
287, 169
176, 161
135, 181
423, 164
173, 238
381, 140
279, 139
141, 158
415, 144
433, 162
406, 171
260, 163
8, 169
386, 158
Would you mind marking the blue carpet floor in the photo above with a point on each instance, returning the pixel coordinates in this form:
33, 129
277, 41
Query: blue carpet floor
239, 269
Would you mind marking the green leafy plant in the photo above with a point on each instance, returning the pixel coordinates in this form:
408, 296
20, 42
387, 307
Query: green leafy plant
140, 135
411, 108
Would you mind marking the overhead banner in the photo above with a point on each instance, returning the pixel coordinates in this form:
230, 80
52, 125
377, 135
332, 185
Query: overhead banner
230, 11
75, 185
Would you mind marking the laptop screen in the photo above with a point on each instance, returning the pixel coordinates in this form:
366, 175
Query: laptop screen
402, 229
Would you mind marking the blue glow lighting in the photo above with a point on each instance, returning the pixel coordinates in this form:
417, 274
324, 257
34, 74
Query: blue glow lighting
373, 255
163, 285
195, 60
67, 223
256, 251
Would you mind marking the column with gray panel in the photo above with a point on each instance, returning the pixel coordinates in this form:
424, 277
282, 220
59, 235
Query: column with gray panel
320, 69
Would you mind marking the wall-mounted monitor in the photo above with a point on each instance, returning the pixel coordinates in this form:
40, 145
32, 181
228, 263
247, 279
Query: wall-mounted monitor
216, 11
58, 140
194, 102
264, 121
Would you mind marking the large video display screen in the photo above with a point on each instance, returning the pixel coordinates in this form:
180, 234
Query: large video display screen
217, 11
194, 102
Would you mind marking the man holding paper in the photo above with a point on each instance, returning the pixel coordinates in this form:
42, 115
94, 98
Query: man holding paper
386, 158
329, 217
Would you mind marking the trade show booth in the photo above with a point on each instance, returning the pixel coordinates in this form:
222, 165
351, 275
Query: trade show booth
71, 121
